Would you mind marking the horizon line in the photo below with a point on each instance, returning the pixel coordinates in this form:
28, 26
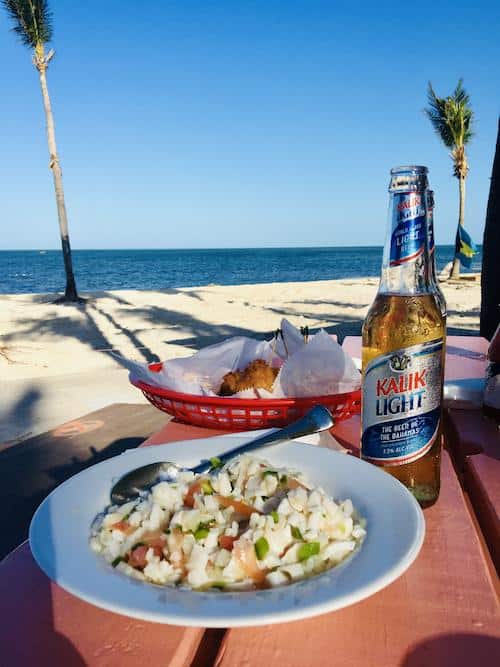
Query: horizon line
280, 247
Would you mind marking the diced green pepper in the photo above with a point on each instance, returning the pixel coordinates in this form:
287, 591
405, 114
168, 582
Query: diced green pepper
200, 533
269, 472
215, 462
206, 487
118, 560
283, 479
307, 550
296, 533
219, 585
275, 516
261, 548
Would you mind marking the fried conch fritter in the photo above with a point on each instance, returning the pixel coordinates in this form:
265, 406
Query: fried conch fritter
257, 375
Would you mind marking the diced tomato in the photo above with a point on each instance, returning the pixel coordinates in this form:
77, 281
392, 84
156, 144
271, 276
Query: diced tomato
124, 526
192, 490
227, 542
137, 557
155, 542
175, 540
238, 506
295, 484
154, 538
244, 553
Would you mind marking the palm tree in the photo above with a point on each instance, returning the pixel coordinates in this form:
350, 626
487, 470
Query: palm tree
33, 25
451, 118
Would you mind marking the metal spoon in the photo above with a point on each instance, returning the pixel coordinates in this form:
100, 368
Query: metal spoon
141, 479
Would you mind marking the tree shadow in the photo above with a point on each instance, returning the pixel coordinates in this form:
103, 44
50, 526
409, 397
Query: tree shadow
458, 331
472, 312
198, 333
28, 473
87, 331
193, 293
147, 354
338, 304
193, 332
102, 294
21, 413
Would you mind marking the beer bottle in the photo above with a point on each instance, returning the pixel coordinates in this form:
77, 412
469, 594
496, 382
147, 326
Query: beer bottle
403, 348
432, 252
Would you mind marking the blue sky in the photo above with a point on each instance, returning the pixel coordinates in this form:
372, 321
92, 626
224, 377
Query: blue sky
232, 123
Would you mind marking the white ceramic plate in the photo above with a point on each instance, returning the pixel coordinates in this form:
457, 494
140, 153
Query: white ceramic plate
59, 535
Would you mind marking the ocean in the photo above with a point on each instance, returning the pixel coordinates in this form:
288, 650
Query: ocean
31, 271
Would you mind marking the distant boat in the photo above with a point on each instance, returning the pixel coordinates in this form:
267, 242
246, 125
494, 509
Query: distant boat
42, 252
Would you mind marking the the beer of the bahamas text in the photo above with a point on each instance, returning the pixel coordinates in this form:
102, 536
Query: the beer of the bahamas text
403, 348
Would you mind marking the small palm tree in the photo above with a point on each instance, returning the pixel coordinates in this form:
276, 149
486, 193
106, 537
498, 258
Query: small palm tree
451, 118
33, 25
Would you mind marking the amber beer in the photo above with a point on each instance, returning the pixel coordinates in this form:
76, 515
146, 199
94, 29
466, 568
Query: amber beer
403, 348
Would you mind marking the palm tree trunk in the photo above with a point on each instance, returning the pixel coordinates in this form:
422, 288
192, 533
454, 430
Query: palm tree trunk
455, 270
70, 292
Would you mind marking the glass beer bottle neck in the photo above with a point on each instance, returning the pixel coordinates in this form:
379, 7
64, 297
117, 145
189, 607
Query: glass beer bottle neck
406, 266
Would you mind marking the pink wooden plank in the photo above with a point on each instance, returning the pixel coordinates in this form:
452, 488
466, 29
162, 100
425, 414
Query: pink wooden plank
347, 432
482, 482
63, 628
470, 432
43, 625
173, 431
443, 611
68, 631
465, 355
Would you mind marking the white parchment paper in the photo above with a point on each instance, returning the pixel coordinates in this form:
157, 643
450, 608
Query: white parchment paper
318, 368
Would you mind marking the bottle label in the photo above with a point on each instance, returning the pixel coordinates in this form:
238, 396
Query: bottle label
402, 404
431, 233
409, 227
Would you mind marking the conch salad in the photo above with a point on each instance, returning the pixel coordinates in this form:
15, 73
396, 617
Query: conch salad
246, 525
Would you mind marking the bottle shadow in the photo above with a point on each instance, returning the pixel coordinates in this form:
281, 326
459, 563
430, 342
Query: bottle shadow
454, 650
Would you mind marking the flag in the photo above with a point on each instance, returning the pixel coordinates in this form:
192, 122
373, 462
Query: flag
465, 248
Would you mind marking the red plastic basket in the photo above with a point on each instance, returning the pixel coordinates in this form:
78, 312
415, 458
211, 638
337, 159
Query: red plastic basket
238, 414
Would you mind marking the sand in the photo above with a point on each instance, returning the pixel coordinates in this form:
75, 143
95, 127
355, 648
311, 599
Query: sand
55, 360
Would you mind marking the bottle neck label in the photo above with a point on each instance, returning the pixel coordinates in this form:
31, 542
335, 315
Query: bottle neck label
409, 228
402, 404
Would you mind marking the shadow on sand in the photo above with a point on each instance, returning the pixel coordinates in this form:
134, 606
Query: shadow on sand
193, 332
23, 411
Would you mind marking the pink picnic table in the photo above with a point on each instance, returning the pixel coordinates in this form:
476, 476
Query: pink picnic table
444, 611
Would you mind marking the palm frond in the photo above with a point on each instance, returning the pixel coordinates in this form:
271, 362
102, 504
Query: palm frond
437, 114
460, 94
451, 117
32, 20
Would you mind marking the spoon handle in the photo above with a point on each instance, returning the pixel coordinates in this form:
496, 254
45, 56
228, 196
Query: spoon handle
316, 420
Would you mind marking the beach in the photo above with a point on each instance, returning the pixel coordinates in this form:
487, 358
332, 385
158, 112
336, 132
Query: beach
57, 362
